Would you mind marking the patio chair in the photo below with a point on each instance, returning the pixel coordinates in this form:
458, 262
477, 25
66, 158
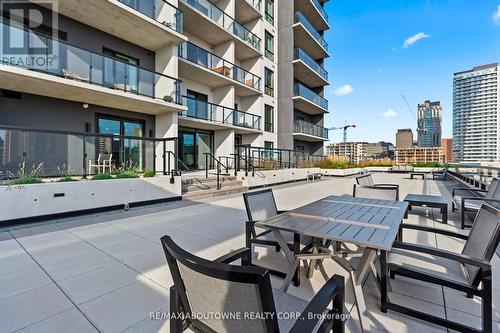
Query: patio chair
367, 180
376, 192
441, 174
464, 272
215, 296
103, 161
472, 203
261, 205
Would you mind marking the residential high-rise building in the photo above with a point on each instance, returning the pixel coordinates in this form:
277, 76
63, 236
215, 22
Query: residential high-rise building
447, 146
476, 114
429, 119
301, 75
208, 74
404, 138
354, 152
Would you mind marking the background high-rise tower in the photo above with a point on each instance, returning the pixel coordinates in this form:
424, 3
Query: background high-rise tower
429, 119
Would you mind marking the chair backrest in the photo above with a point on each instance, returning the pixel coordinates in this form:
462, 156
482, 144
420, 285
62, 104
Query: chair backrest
375, 192
483, 238
366, 180
104, 157
260, 205
493, 190
207, 287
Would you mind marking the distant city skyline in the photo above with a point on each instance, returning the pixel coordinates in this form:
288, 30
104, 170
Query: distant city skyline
384, 49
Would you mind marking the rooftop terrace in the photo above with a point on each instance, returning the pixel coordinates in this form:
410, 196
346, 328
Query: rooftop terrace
107, 272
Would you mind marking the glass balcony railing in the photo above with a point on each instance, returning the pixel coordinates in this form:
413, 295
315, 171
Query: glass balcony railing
320, 9
50, 56
158, 10
225, 21
301, 90
257, 4
207, 59
304, 127
220, 114
302, 55
300, 18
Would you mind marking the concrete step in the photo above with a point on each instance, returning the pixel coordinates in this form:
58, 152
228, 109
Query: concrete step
203, 180
204, 194
209, 185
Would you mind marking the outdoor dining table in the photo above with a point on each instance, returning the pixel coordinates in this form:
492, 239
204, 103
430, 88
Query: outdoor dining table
371, 224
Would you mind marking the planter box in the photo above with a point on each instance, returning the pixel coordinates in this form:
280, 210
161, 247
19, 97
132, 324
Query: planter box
272, 177
35, 200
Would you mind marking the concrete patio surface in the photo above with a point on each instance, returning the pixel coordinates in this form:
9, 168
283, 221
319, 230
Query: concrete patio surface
107, 272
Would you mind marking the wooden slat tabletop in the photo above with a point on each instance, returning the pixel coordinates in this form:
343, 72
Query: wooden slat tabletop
365, 222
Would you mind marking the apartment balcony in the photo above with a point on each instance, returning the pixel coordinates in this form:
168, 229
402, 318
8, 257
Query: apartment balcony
152, 24
210, 116
202, 66
211, 24
307, 38
304, 131
307, 101
308, 71
72, 73
248, 10
314, 11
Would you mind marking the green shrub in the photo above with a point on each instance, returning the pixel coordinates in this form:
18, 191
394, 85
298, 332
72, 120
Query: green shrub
101, 176
127, 174
23, 180
149, 173
429, 165
67, 179
333, 162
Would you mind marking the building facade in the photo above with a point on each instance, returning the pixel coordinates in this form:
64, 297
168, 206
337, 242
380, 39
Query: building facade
429, 120
404, 138
204, 73
354, 152
419, 155
302, 77
447, 146
476, 115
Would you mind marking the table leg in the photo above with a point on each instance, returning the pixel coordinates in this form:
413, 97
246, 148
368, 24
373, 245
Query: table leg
444, 212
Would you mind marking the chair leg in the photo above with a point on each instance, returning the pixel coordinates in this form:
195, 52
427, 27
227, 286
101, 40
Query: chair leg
462, 218
296, 251
487, 302
176, 325
338, 307
383, 281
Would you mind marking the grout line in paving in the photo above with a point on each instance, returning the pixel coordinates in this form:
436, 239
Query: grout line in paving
58, 287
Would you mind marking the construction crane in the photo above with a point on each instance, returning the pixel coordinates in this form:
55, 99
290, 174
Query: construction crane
419, 130
343, 128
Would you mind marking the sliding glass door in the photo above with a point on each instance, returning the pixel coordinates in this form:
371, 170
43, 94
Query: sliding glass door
193, 144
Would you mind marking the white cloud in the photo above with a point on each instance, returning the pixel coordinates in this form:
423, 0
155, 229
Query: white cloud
496, 15
415, 38
389, 114
344, 90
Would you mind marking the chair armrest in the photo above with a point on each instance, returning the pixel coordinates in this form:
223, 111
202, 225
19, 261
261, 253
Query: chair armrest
466, 189
461, 258
332, 289
233, 256
435, 230
478, 199
387, 185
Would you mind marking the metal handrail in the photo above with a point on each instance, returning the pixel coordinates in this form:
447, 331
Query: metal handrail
218, 168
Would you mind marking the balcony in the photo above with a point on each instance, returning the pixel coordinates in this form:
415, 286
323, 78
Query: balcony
308, 71
212, 116
308, 101
248, 10
204, 67
308, 38
305, 131
314, 11
152, 24
67, 72
212, 25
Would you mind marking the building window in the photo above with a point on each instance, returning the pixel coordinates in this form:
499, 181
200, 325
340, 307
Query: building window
269, 82
270, 11
268, 145
269, 118
269, 46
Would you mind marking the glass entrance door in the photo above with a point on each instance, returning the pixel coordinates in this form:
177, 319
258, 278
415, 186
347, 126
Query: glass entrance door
193, 144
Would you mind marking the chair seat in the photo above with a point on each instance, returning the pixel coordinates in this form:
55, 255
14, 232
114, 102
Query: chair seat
426, 263
269, 236
469, 204
287, 304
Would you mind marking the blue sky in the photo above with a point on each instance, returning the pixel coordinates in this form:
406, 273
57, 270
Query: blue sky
371, 65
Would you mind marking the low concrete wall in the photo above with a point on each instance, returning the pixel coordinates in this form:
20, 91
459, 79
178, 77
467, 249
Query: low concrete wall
341, 172
271, 177
34, 200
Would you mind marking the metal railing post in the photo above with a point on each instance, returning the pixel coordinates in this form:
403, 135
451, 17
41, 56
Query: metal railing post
206, 165
163, 155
